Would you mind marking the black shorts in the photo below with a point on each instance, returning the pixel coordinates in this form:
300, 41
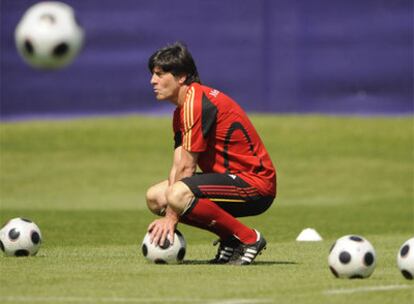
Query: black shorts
229, 192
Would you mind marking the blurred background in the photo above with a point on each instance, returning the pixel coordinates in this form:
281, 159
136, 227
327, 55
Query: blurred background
321, 56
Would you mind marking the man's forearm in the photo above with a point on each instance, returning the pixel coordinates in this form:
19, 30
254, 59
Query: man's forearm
184, 171
170, 213
171, 177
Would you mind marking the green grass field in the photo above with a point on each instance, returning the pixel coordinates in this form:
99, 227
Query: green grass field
83, 182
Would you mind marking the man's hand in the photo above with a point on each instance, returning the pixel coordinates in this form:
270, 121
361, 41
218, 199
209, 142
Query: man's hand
162, 228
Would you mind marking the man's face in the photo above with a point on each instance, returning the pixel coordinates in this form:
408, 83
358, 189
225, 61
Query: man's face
166, 86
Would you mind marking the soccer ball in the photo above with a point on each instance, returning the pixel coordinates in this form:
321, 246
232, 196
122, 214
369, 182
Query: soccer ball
20, 237
405, 259
167, 253
352, 257
48, 35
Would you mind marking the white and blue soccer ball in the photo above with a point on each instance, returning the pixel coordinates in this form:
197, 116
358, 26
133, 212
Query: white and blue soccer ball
352, 256
48, 35
167, 253
20, 237
405, 259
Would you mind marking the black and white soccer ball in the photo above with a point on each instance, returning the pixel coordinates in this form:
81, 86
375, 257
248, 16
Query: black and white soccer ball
167, 253
20, 237
352, 257
48, 35
405, 259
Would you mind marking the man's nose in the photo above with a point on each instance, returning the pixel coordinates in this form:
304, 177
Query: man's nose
153, 79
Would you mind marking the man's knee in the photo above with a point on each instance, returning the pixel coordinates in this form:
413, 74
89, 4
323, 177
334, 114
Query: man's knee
156, 200
179, 196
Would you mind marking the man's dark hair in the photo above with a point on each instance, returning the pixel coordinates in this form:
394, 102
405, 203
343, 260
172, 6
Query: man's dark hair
177, 60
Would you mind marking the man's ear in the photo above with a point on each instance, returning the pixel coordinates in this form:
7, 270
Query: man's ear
182, 79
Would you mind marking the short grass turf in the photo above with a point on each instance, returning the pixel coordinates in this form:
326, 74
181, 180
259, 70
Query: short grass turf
83, 182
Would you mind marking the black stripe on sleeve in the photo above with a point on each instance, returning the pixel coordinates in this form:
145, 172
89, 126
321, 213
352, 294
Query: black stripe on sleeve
178, 139
209, 114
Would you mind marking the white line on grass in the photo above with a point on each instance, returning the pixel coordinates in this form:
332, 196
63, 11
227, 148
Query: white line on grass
364, 289
33, 299
240, 301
